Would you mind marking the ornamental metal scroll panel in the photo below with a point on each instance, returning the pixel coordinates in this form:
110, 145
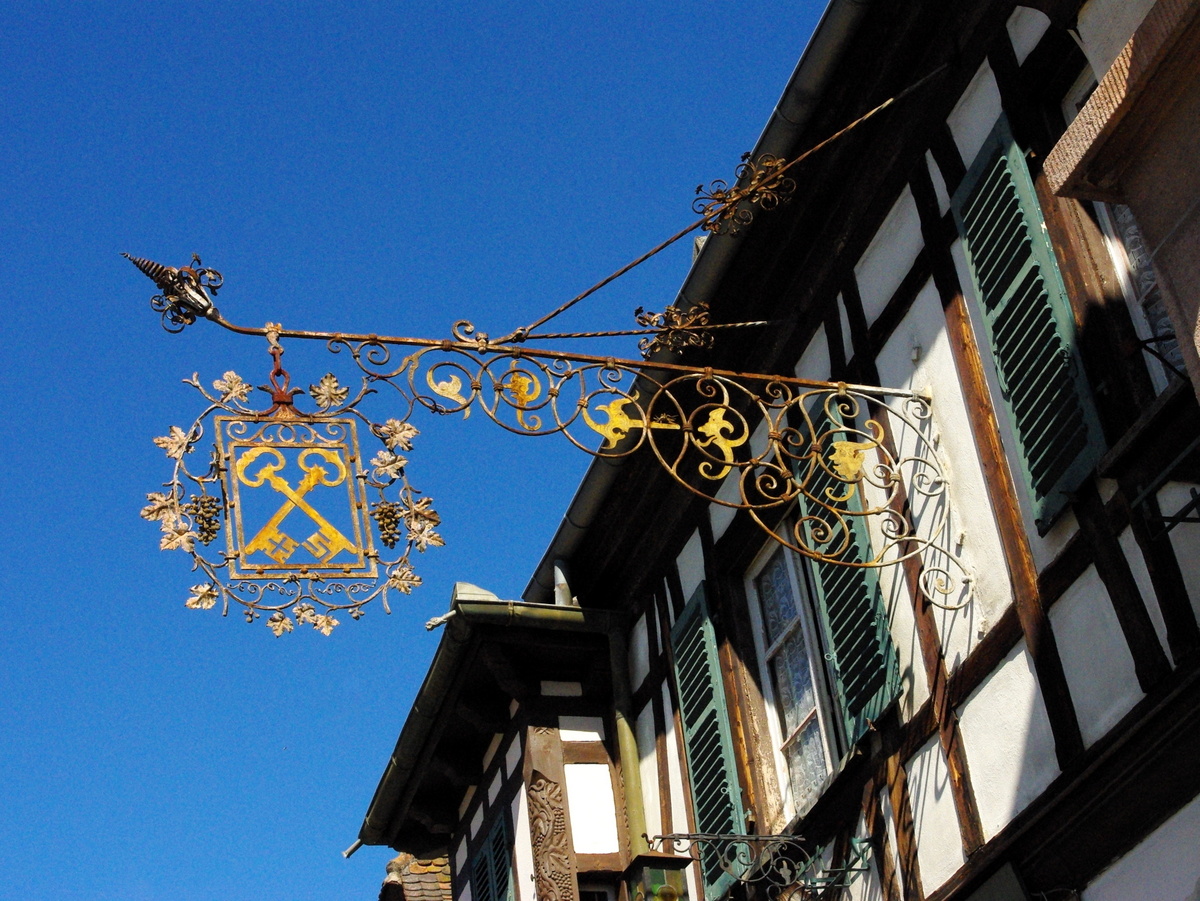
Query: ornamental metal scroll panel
303, 477
784, 866
311, 529
754, 443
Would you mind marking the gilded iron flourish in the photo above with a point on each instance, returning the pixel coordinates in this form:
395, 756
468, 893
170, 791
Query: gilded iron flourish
728, 209
296, 502
677, 329
785, 867
845, 474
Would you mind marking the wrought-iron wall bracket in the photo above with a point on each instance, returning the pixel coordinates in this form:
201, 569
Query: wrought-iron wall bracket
843, 474
784, 866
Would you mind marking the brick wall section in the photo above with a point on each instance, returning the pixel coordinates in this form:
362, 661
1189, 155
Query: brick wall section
1066, 167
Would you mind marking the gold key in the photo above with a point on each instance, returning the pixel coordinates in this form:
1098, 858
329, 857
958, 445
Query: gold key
327, 541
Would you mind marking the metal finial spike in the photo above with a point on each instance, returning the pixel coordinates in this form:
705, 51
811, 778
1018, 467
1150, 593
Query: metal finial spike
163, 276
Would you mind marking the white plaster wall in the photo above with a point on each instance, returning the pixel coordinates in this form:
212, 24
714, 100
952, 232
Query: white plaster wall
1043, 547
1165, 867
922, 333
1185, 538
1141, 575
553, 689
976, 112
460, 856
935, 823
466, 801
719, 515
679, 817
1105, 27
465, 894
522, 848
648, 769
492, 748
889, 256
1007, 737
1095, 656
759, 440
844, 316
902, 624
939, 184
592, 809
814, 362
494, 788
889, 823
865, 886
581, 728
691, 566
512, 757
1025, 28
476, 820
639, 653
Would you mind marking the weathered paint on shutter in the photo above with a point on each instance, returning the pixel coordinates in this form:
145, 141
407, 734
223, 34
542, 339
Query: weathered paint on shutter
491, 871
716, 793
862, 658
1029, 325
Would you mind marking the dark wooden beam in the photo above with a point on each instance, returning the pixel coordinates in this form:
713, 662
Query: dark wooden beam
881, 846
1170, 589
1002, 491
906, 837
1149, 659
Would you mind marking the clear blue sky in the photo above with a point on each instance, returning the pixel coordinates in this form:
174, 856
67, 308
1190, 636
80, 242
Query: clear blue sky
374, 167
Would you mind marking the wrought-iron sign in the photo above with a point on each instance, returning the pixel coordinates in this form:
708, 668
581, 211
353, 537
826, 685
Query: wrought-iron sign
844, 474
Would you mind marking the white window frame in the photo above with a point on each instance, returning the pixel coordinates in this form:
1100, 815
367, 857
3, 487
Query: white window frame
806, 621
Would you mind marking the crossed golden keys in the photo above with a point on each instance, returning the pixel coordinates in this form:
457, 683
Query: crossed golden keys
846, 475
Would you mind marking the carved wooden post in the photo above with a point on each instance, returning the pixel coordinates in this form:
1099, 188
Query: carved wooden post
555, 874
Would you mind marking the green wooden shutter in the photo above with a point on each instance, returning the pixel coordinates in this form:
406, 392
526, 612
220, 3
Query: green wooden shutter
861, 656
1029, 325
716, 792
491, 871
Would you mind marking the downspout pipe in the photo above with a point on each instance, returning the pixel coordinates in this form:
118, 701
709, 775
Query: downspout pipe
790, 117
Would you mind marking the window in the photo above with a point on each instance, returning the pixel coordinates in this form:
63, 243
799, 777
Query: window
788, 655
1029, 324
491, 871
1134, 264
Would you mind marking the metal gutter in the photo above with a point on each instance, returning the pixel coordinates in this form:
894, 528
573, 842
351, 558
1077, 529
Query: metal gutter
418, 737
791, 115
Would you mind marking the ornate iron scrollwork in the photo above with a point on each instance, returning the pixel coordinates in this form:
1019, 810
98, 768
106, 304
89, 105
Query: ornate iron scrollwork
187, 292
843, 474
784, 866
727, 209
296, 501
844, 457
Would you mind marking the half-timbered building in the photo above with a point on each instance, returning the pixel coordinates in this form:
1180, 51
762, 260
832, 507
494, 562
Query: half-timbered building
1013, 237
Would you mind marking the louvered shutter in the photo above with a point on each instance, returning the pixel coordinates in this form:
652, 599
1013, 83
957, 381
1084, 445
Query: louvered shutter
1029, 325
491, 871
862, 658
716, 793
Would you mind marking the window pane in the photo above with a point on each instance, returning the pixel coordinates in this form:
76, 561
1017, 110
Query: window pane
793, 678
775, 593
806, 763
